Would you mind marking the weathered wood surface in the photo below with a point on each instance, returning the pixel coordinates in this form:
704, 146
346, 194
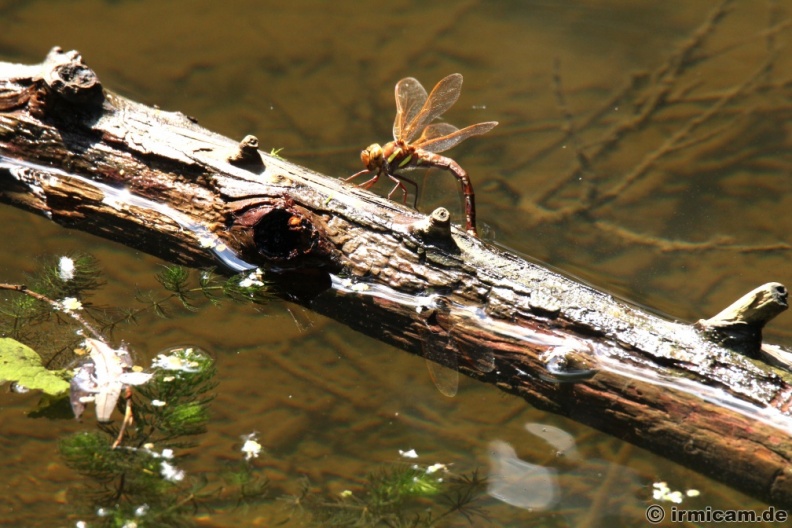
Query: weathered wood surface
154, 180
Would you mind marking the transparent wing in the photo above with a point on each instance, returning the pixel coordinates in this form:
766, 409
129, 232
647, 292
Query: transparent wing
445, 379
410, 98
441, 360
443, 143
443, 96
433, 131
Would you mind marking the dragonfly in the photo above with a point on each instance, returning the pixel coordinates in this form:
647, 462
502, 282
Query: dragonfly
415, 112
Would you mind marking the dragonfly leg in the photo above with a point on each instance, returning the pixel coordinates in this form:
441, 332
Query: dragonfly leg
368, 183
399, 179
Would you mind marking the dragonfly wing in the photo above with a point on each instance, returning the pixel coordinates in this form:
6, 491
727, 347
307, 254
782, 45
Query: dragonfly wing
443, 96
439, 351
434, 131
443, 143
445, 379
410, 98
107, 364
106, 400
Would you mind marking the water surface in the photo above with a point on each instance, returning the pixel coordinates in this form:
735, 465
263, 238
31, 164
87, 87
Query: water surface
696, 229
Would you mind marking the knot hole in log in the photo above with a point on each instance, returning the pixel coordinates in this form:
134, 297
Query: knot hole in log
282, 233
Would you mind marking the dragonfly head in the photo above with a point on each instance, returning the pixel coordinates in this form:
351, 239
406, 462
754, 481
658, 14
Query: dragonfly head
372, 157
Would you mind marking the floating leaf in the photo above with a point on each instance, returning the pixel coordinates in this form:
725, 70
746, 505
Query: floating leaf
22, 364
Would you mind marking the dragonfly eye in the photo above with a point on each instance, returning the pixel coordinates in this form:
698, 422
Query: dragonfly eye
372, 157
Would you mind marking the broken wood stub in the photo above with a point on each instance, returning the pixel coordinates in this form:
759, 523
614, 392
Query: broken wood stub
68, 87
247, 155
739, 326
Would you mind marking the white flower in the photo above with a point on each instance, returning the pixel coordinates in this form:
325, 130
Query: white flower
167, 453
254, 279
170, 472
71, 304
408, 454
435, 468
660, 490
158, 403
135, 378
179, 360
675, 497
251, 448
663, 493
66, 269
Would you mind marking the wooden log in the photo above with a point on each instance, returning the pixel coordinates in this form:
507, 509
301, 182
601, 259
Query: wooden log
156, 181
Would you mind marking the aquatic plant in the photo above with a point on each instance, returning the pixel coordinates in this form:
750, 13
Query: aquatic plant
138, 479
398, 495
133, 469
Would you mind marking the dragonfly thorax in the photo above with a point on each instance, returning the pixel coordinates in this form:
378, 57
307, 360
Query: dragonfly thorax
388, 158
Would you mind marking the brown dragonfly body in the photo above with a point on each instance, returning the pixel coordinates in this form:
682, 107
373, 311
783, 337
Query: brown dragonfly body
415, 111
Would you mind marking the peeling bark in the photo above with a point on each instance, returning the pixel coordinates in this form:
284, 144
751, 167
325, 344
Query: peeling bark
156, 181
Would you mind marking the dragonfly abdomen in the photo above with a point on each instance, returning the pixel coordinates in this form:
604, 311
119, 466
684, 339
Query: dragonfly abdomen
424, 157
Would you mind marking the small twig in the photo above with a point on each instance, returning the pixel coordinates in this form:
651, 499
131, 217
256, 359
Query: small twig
21, 288
128, 418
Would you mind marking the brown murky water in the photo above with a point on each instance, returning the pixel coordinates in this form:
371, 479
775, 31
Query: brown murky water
694, 229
